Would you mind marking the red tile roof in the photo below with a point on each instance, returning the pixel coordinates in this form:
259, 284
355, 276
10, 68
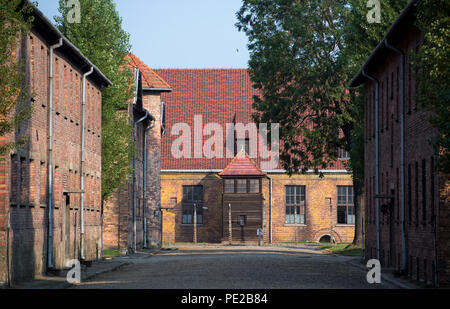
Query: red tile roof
242, 165
219, 95
149, 77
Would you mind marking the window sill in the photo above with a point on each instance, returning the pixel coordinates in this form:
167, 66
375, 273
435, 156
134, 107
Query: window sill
294, 225
344, 225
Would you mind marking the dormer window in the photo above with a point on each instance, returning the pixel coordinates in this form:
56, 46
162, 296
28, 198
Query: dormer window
242, 185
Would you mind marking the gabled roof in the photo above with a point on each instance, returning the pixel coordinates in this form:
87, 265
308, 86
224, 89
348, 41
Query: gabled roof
222, 96
43, 26
393, 35
242, 165
150, 80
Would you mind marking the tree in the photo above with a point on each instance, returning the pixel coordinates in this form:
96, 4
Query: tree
432, 61
14, 94
300, 63
100, 37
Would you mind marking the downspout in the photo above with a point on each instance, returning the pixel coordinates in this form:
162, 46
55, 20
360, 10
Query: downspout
50, 155
270, 208
134, 180
377, 158
83, 126
402, 150
144, 180
8, 257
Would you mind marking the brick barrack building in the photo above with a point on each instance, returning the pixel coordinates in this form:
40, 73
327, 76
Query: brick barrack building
407, 210
50, 189
132, 217
286, 208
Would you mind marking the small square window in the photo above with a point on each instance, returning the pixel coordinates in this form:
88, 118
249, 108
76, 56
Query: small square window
242, 186
254, 185
229, 185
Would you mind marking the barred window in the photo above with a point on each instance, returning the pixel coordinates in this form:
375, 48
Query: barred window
242, 186
229, 185
254, 185
192, 197
345, 206
295, 205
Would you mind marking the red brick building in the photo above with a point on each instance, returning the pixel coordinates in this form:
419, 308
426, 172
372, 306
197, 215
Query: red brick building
45, 219
132, 217
407, 201
286, 208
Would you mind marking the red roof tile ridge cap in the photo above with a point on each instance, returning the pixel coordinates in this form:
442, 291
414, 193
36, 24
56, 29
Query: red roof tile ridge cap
138, 62
201, 69
239, 156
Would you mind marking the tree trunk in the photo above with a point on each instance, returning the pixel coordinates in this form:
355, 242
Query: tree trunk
358, 200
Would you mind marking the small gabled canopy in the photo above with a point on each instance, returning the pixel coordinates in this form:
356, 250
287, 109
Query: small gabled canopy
242, 165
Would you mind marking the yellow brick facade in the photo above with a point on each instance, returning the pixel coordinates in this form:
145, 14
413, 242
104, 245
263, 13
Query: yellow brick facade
318, 220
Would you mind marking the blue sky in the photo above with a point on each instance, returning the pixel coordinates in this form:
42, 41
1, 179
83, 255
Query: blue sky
180, 33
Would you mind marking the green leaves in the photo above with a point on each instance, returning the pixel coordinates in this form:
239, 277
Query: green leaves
295, 47
15, 106
432, 65
303, 55
101, 38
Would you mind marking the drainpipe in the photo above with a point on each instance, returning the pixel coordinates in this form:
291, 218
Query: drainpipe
83, 127
270, 208
377, 158
50, 155
8, 258
144, 180
134, 179
402, 150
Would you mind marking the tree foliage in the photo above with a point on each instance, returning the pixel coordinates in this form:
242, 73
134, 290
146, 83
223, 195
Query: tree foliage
15, 106
303, 54
432, 61
101, 38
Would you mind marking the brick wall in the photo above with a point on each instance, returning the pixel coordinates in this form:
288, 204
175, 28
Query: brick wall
317, 219
24, 186
421, 181
118, 213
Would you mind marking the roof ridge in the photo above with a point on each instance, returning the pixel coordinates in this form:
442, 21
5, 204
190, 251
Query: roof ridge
202, 69
139, 62
247, 158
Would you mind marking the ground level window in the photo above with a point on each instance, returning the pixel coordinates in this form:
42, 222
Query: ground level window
345, 207
192, 197
295, 205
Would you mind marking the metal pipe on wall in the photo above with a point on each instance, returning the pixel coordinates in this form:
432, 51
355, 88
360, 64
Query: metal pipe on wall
144, 180
402, 151
377, 158
270, 208
134, 179
50, 154
83, 150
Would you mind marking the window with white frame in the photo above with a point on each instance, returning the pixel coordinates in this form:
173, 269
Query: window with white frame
345, 206
295, 205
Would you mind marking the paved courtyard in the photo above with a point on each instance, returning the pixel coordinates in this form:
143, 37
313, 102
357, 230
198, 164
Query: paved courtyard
237, 267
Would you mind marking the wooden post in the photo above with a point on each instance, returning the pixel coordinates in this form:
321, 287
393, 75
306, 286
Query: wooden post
195, 223
230, 238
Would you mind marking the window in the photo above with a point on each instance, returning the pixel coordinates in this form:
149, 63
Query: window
192, 196
345, 208
295, 205
254, 185
343, 154
241, 186
229, 185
